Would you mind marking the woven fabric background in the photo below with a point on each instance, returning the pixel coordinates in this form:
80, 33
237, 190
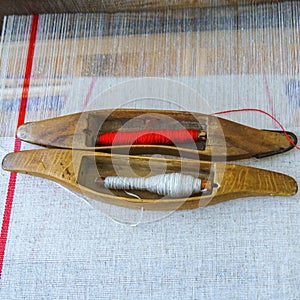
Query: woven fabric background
61, 247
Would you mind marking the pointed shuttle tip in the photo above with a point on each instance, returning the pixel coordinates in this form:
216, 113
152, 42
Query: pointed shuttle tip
24, 131
289, 186
295, 189
7, 162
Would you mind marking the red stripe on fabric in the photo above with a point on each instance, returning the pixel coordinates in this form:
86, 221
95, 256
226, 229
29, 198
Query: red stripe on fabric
270, 100
89, 94
17, 146
28, 69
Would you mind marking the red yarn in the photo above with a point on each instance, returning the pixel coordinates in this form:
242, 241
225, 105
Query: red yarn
263, 112
149, 137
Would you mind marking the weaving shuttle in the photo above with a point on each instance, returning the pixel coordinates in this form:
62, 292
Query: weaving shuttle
78, 170
217, 138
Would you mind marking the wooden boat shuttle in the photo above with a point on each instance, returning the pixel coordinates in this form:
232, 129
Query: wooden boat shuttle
79, 170
218, 139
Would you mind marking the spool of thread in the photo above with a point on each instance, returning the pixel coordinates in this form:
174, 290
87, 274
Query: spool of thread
173, 184
149, 137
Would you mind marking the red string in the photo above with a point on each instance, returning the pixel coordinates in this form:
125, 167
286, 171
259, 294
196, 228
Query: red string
149, 137
22, 112
265, 113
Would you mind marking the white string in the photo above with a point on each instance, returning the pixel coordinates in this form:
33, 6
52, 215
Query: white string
173, 184
142, 209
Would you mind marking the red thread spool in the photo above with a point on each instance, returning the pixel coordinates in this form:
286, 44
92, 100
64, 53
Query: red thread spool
149, 137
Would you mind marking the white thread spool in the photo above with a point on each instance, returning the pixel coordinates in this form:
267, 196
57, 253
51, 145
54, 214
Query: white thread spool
173, 184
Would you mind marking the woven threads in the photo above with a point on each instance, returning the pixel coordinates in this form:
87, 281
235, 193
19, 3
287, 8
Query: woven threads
173, 184
149, 137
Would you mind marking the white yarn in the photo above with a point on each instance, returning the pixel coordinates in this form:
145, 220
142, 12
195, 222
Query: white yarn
173, 184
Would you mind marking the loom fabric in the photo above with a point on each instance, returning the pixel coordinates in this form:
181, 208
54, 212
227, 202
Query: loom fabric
63, 246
